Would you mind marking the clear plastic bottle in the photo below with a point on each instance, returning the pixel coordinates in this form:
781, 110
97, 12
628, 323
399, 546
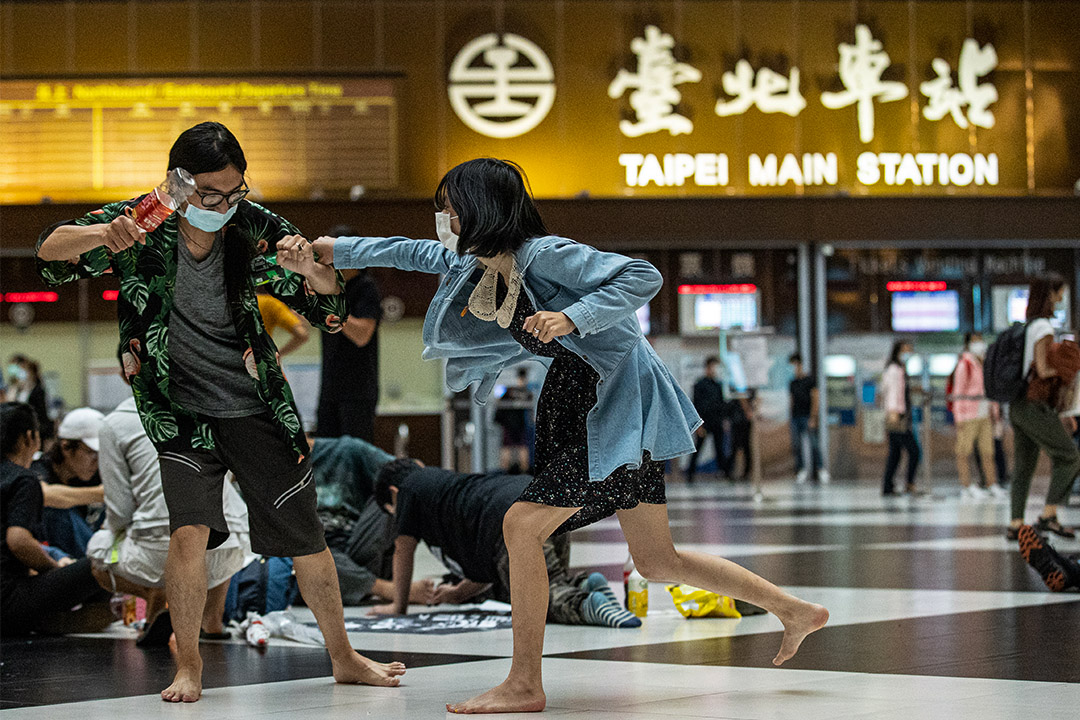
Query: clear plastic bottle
257, 634
627, 568
280, 624
637, 593
163, 200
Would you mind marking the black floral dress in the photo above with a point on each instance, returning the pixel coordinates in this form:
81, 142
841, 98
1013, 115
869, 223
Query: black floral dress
562, 441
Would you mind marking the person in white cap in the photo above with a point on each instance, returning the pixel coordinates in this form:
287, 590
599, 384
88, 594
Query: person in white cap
130, 550
70, 482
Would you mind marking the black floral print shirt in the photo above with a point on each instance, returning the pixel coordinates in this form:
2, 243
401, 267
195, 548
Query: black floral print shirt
147, 276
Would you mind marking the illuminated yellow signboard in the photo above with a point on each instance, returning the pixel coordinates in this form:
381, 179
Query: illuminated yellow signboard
101, 140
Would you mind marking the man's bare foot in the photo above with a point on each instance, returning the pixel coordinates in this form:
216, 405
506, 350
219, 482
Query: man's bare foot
803, 620
503, 699
355, 668
186, 686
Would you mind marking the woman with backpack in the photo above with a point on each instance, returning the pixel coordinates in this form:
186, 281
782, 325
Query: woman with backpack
1036, 422
972, 413
897, 401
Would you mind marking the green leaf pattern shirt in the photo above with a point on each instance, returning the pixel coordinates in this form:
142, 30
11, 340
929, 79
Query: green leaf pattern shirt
147, 276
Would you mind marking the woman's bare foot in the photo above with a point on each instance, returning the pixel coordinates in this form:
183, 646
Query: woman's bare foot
800, 622
355, 668
186, 686
504, 699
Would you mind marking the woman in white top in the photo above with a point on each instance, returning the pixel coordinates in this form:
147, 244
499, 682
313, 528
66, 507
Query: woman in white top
1038, 425
897, 402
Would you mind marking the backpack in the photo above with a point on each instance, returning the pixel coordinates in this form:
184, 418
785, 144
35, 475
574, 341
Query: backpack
265, 585
1004, 374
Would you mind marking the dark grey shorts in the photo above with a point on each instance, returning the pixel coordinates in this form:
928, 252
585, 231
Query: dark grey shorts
279, 492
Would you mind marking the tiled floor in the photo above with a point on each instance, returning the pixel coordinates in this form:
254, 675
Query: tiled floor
934, 615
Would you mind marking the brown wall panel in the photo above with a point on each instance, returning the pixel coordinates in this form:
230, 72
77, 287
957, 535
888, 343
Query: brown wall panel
226, 37
351, 35
163, 40
286, 36
102, 34
39, 38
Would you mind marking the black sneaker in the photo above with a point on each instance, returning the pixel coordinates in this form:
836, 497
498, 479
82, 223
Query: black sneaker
1051, 524
1038, 555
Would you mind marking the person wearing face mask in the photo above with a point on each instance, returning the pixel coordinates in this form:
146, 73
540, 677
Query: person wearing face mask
208, 383
26, 386
972, 414
897, 401
609, 412
1034, 415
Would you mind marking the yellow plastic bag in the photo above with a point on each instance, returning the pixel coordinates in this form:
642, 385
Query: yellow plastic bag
695, 602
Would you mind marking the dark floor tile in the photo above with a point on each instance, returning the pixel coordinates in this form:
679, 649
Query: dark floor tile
1029, 643
895, 569
47, 671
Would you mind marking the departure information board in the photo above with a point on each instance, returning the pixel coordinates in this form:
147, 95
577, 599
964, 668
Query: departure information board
99, 140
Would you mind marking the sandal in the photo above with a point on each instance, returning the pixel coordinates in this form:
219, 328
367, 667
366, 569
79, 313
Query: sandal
1051, 524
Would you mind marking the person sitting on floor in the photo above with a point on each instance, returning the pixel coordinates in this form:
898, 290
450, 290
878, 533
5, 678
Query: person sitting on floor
460, 518
130, 550
70, 483
37, 593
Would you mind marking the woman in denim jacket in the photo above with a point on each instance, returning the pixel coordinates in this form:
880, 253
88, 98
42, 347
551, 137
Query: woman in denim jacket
610, 412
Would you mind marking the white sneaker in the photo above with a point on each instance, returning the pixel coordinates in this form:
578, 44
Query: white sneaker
824, 477
801, 476
974, 492
998, 493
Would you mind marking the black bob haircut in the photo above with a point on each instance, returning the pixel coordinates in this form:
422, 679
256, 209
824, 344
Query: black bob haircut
16, 419
494, 206
205, 148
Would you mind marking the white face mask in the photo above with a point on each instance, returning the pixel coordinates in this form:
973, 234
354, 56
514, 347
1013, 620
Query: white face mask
978, 348
445, 234
208, 220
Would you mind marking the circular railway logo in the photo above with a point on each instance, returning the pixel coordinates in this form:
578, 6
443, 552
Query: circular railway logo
501, 89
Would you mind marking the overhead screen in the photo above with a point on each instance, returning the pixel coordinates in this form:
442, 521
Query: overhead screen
97, 140
934, 311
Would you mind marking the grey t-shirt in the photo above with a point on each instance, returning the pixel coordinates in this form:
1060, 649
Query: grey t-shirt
206, 357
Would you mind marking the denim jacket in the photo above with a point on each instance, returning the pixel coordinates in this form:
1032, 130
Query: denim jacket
639, 404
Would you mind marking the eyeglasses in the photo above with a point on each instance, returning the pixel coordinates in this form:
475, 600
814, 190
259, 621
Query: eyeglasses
213, 199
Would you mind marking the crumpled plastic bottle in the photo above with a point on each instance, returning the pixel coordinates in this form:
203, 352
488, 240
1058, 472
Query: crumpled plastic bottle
280, 624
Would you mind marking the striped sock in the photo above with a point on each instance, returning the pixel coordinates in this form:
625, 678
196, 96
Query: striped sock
596, 582
598, 611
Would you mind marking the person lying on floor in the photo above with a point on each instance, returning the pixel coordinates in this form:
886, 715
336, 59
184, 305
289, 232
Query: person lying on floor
129, 551
359, 534
460, 518
37, 592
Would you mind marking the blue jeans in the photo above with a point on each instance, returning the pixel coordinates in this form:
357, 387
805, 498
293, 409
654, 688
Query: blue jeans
67, 530
800, 427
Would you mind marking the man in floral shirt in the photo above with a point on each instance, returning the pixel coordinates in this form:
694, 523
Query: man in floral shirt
208, 383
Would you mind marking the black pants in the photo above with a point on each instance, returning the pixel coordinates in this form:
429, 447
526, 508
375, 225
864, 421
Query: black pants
740, 441
717, 432
34, 603
901, 442
355, 418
